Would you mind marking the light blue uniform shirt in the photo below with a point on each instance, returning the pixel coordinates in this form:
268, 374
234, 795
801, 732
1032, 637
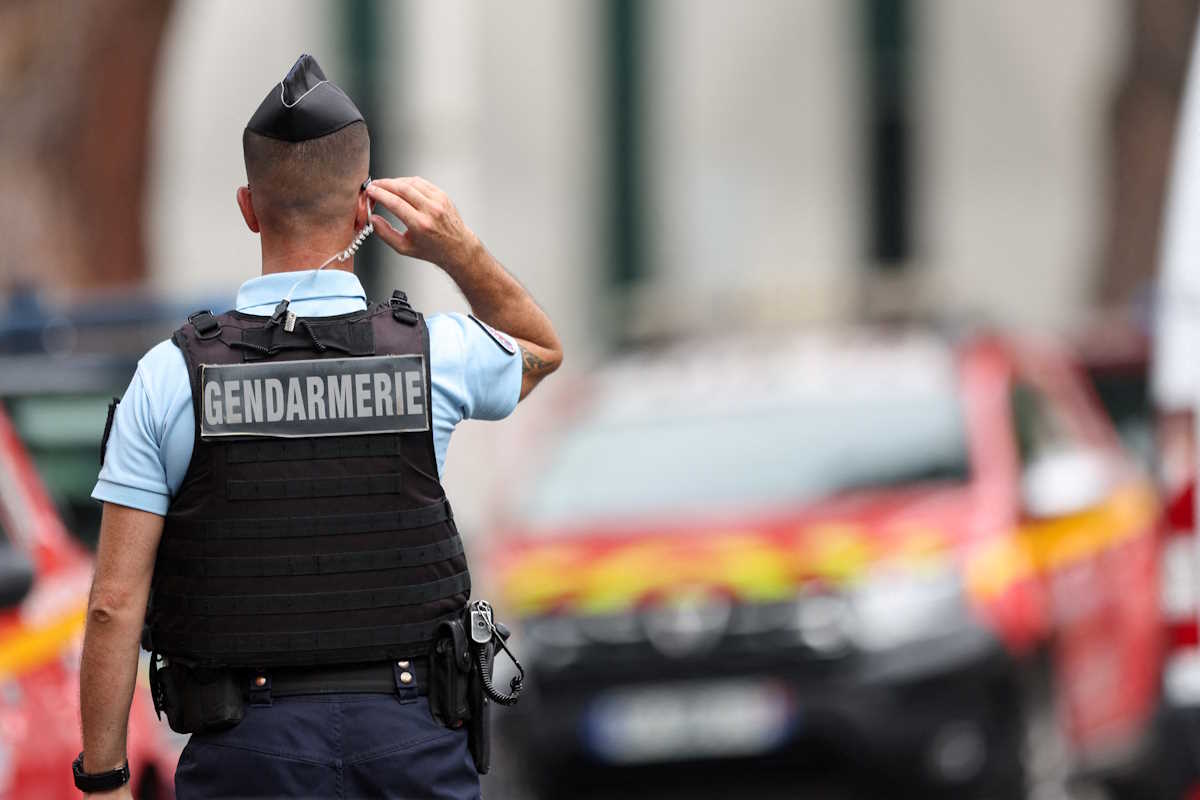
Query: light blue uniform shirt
152, 434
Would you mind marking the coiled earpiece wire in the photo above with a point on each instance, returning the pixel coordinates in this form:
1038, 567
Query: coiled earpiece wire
288, 318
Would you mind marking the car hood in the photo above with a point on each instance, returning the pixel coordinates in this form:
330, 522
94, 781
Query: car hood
749, 557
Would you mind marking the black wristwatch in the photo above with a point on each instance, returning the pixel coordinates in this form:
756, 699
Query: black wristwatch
99, 781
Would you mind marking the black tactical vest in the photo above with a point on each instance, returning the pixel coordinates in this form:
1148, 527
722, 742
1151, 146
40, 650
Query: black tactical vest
311, 526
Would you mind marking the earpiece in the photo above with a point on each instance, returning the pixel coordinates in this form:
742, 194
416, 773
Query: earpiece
366, 231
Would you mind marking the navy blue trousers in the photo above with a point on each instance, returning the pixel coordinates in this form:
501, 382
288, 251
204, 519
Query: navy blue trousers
331, 746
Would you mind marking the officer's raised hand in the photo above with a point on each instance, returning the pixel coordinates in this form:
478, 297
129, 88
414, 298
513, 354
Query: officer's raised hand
436, 233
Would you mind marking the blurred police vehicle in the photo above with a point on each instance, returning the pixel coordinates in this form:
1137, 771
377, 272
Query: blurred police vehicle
929, 567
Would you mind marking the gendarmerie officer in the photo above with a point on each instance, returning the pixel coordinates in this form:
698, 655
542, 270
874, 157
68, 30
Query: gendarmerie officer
273, 512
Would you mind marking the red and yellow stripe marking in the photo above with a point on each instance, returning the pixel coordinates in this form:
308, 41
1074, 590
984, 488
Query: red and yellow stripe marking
1044, 547
756, 567
24, 647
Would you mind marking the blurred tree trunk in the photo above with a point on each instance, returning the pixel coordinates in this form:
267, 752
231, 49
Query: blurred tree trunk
76, 83
1143, 129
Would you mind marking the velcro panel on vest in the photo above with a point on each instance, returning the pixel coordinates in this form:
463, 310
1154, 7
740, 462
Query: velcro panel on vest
299, 488
313, 525
311, 449
315, 397
173, 562
320, 646
316, 602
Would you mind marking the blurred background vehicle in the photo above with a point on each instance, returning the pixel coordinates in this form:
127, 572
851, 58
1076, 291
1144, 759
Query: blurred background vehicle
44, 577
673, 171
874, 553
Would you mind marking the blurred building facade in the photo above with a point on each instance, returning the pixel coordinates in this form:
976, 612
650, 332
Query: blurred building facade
752, 170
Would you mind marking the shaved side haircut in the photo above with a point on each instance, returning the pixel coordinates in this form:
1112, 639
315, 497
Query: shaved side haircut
313, 183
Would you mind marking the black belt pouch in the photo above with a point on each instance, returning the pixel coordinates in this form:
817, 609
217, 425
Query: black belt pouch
196, 699
450, 671
456, 695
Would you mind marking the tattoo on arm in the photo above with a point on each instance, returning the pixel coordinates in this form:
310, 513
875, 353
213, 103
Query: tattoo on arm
532, 363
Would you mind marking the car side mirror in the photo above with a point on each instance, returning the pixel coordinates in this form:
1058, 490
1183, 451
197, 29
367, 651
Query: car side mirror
1063, 482
16, 576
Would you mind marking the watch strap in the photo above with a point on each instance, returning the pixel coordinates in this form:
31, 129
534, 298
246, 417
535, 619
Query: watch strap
98, 781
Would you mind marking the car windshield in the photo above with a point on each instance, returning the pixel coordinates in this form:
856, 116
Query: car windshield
771, 455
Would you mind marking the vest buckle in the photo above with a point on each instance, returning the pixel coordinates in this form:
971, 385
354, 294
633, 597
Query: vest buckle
205, 323
401, 310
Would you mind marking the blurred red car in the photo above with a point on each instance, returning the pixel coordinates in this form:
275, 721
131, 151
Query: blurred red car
928, 566
44, 581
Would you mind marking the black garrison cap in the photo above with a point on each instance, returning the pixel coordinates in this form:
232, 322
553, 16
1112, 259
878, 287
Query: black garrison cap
304, 105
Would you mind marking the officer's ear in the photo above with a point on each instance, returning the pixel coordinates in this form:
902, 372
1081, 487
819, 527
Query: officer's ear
246, 204
362, 211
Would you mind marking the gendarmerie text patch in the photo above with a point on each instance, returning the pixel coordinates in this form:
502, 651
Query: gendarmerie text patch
317, 397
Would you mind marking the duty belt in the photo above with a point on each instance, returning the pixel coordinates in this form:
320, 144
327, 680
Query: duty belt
381, 677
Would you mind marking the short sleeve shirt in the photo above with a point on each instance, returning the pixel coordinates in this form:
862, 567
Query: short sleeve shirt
475, 371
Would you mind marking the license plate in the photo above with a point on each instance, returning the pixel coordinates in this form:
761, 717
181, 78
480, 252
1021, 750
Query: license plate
720, 719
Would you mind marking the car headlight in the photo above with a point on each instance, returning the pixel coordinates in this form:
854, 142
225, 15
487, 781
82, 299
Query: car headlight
897, 608
825, 623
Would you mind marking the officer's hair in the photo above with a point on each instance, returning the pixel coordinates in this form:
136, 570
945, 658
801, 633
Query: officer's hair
314, 183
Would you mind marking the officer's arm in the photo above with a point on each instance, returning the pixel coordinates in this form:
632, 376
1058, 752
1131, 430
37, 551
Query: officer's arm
116, 611
436, 233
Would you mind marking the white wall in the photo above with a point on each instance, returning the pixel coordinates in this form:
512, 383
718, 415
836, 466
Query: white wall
1015, 132
753, 141
753, 153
